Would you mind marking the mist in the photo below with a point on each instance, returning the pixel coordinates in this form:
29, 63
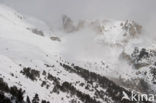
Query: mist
50, 11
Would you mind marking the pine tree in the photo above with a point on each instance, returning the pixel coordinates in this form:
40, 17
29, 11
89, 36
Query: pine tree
36, 99
28, 100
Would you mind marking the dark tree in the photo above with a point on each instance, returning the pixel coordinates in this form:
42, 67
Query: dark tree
28, 100
36, 99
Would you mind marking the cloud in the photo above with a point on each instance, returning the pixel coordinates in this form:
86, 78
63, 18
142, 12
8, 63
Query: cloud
142, 11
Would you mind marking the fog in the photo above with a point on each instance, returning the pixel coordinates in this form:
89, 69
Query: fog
142, 11
51, 11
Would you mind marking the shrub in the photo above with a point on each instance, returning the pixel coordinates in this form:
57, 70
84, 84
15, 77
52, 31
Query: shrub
36, 99
3, 86
18, 93
30, 73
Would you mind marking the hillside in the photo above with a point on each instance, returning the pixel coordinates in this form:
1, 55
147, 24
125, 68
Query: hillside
87, 61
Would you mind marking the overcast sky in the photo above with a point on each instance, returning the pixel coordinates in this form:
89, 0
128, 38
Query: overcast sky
142, 11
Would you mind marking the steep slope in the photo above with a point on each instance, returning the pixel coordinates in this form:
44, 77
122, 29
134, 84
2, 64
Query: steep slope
106, 47
43, 67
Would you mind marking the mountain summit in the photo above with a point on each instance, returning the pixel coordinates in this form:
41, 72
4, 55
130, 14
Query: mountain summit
88, 61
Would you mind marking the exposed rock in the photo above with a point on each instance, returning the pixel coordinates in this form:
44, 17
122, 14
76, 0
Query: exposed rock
68, 25
36, 31
55, 38
132, 27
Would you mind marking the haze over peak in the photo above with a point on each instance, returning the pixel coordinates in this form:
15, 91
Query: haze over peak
50, 10
77, 59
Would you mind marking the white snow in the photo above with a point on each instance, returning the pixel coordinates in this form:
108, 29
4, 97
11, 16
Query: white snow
96, 52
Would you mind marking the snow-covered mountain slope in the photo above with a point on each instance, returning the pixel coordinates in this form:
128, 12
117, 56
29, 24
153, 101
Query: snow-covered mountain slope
79, 64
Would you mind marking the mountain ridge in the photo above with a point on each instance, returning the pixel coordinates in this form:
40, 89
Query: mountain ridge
52, 70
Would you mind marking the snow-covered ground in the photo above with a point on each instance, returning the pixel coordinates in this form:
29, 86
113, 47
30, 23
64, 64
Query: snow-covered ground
96, 46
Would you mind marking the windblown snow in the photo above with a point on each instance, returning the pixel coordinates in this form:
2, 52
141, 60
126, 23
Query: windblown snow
103, 47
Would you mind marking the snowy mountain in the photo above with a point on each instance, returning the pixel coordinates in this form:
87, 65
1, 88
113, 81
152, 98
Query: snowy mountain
86, 61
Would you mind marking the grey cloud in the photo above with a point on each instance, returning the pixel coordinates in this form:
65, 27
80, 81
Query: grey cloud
142, 11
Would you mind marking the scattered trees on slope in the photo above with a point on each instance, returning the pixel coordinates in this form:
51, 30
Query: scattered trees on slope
30, 73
